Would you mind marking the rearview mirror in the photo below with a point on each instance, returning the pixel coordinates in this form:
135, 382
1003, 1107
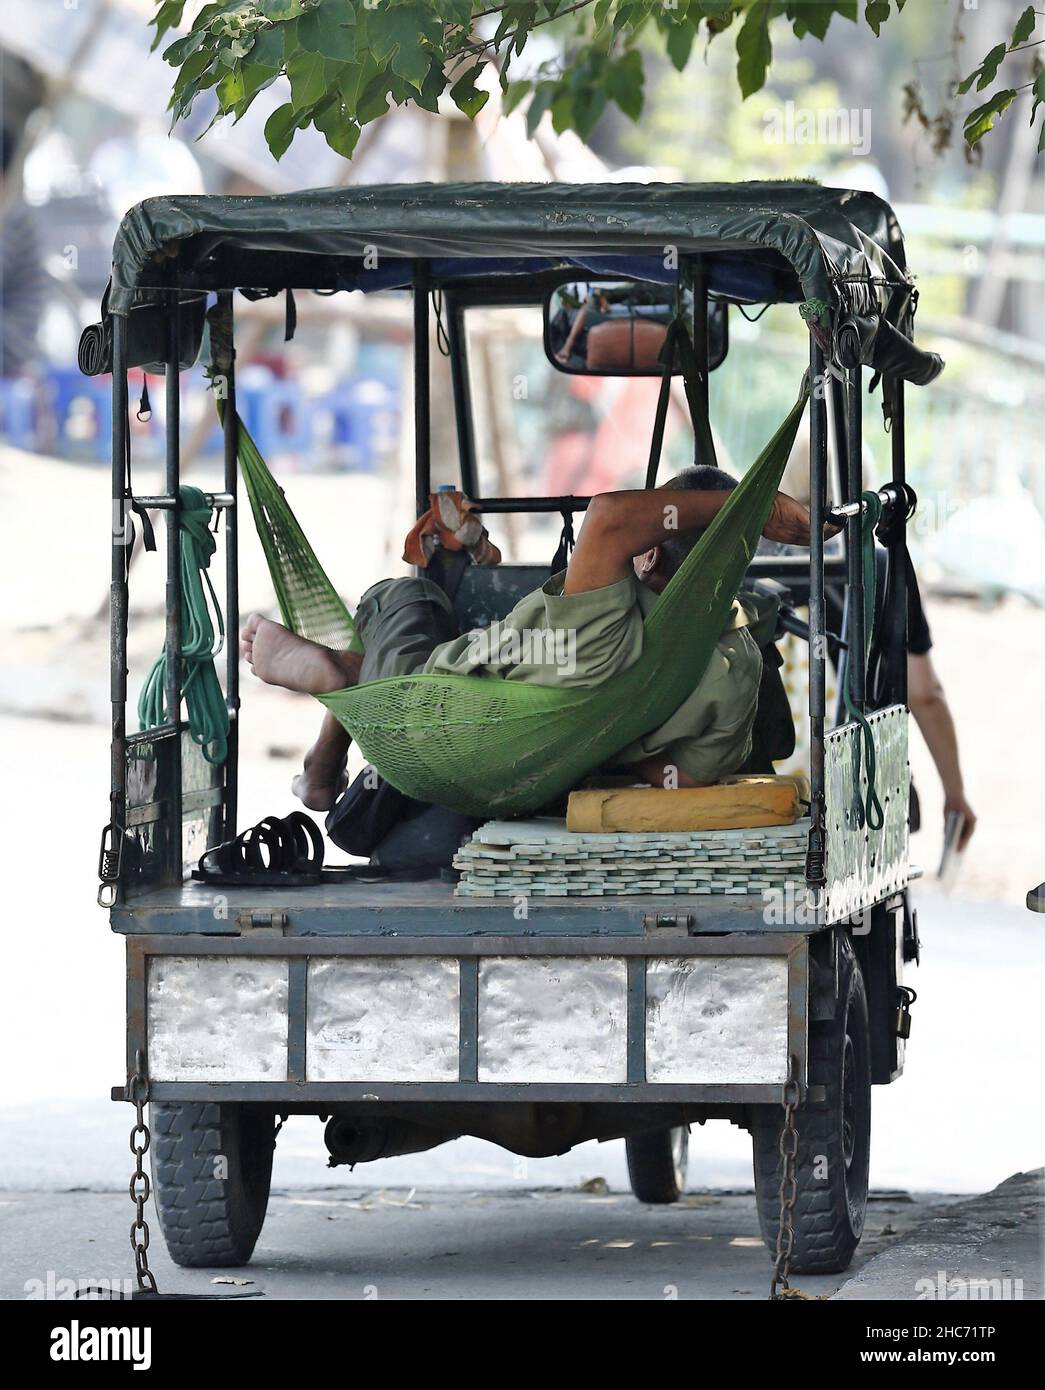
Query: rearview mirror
617, 328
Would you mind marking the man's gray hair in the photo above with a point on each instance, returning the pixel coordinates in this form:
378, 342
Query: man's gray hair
700, 478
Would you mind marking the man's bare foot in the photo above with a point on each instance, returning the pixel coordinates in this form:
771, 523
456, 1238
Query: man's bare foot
316, 790
279, 657
323, 777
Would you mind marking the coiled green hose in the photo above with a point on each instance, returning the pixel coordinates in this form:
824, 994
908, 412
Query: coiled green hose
205, 706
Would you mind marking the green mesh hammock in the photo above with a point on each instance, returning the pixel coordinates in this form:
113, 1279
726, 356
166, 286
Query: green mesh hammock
486, 746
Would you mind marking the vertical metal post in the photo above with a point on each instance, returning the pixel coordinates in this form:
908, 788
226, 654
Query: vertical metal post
817, 615
231, 442
422, 389
855, 664
700, 332
897, 663
172, 643
118, 584
457, 339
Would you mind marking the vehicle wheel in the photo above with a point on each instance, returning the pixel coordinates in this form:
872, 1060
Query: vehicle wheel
211, 1168
834, 1141
657, 1164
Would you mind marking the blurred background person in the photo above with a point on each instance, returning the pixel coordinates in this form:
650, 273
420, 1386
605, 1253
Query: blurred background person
23, 280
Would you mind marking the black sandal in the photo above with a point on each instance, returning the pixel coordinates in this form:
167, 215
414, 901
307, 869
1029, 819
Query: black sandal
278, 852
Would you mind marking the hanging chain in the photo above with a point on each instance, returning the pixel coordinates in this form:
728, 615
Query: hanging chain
139, 1186
785, 1236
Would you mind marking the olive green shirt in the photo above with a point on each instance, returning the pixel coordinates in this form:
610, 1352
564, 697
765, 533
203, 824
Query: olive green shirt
551, 638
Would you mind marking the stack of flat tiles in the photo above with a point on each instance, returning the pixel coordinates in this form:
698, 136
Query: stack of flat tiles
541, 858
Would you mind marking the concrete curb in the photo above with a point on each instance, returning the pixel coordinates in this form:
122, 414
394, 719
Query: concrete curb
984, 1248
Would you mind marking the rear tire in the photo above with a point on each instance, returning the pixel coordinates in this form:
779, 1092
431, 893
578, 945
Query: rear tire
834, 1140
211, 1169
657, 1164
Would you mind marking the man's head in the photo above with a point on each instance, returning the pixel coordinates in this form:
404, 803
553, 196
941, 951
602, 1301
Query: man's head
657, 566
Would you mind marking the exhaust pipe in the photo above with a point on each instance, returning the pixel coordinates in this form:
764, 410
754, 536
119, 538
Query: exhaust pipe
355, 1141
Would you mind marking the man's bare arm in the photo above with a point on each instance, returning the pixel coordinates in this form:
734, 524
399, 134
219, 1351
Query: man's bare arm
928, 702
620, 525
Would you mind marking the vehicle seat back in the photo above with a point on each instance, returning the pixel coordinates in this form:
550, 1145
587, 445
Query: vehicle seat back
484, 596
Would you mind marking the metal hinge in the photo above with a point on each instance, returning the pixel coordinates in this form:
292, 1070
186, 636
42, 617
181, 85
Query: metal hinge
679, 924
267, 923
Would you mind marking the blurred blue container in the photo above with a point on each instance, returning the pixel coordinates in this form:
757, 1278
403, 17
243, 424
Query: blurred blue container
18, 413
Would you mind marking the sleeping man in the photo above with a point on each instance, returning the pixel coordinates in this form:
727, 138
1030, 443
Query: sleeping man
581, 628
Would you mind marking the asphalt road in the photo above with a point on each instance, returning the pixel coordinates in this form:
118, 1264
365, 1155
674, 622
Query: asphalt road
394, 1244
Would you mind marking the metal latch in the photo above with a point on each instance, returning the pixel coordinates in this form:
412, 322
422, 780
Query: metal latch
905, 997
679, 924
269, 923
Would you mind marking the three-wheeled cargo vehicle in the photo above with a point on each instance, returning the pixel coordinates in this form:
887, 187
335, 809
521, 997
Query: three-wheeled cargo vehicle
402, 1013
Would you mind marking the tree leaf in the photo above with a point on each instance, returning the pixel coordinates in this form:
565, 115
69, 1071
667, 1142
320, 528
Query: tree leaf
268, 48
236, 51
433, 87
454, 11
197, 74
339, 130
238, 89
562, 110
810, 17
184, 47
255, 79
372, 101
192, 68
966, 82
754, 49
624, 81
279, 130
542, 100
515, 93
600, 12
329, 29
1038, 93
1024, 27
679, 43
588, 104
989, 66
307, 79
980, 121
230, 90
876, 13
467, 97
281, 9
396, 33
167, 17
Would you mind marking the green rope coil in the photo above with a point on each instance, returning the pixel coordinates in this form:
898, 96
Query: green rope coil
867, 811
205, 706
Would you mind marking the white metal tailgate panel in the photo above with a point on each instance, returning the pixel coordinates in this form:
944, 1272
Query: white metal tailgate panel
553, 1019
383, 1018
716, 1019
217, 1018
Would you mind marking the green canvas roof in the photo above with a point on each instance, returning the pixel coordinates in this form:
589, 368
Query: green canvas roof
841, 247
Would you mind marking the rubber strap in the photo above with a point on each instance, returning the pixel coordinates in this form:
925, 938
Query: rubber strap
677, 341
667, 358
866, 811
